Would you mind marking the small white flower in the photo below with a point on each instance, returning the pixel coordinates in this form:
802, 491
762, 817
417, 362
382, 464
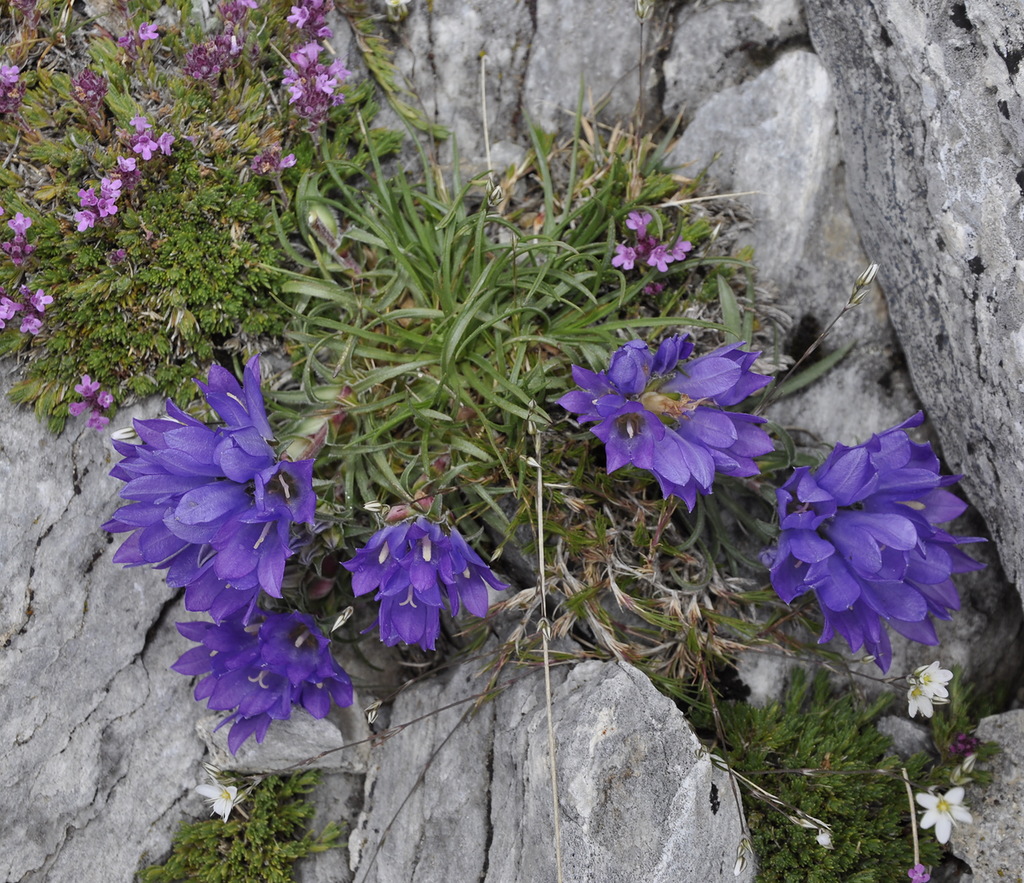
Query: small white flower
919, 701
221, 797
927, 689
942, 810
933, 678
824, 838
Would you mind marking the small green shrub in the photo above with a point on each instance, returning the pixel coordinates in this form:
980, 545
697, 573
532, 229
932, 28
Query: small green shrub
855, 786
259, 849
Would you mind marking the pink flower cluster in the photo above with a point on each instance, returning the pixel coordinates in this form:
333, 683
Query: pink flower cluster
18, 248
12, 89
314, 85
206, 60
89, 89
33, 307
236, 12
647, 248
310, 17
105, 204
95, 399
124, 178
270, 161
142, 141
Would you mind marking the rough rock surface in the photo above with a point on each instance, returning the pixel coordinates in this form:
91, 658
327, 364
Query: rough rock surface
99, 756
773, 139
994, 844
930, 107
635, 793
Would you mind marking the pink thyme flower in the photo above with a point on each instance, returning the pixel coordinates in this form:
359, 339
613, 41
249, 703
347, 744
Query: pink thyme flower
85, 220
144, 145
638, 221
39, 300
625, 257
19, 224
660, 258
681, 249
8, 308
88, 387
164, 142
31, 325
140, 123
147, 31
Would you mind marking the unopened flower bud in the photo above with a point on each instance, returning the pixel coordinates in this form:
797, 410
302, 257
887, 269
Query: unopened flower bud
862, 284
372, 711
343, 617
644, 9
397, 10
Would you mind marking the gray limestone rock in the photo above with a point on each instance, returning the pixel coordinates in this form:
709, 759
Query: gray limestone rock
773, 139
636, 794
98, 752
931, 115
716, 46
993, 845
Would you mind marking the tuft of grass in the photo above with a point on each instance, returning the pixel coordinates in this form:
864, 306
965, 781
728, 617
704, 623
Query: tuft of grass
433, 332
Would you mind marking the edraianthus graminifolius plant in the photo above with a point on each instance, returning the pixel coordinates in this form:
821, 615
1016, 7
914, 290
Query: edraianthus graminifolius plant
262, 668
670, 418
416, 567
214, 506
860, 531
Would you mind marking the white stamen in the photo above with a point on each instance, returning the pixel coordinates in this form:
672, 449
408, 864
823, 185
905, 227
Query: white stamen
410, 600
384, 552
263, 535
426, 549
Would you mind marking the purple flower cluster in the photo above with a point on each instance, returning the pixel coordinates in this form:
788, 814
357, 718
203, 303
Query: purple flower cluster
205, 61
964, 745
29, 9
33, 305
310, 16
313, 86
236, 12
125, 178
89, 89
213, 506
262, 668
271, 162
646, 248
12, 89
860, 532
142, 141
94, 400
416, 569
216, 508
105, 204
670, 419
18, 248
